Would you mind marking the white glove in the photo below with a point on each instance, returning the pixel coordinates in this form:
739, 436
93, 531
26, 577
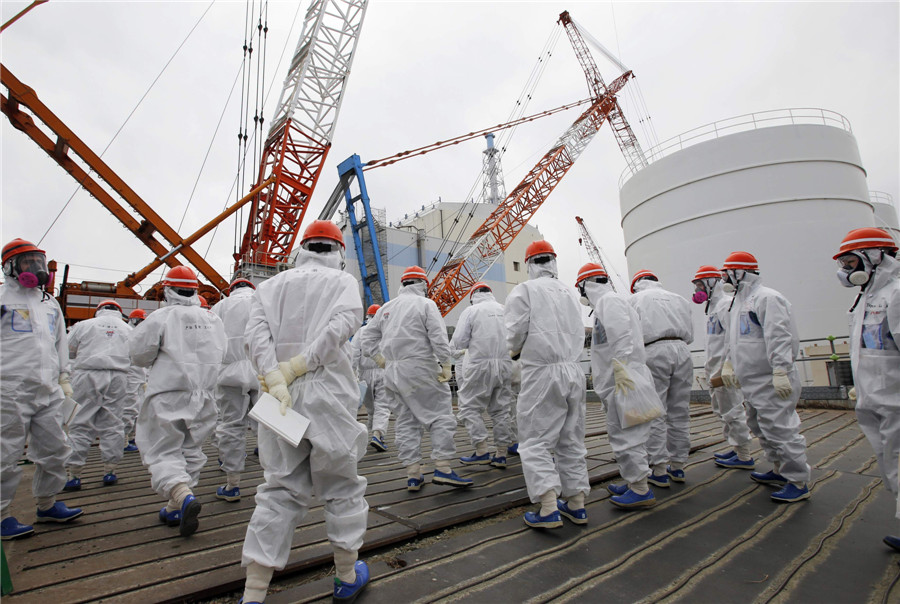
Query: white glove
624, 383
379, 360
293, 369
514, 354
729, 378
66, 384
445, 374
278, 388
782, 384
851, 394
262, 383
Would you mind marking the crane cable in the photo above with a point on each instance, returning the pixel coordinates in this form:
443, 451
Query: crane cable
130, 115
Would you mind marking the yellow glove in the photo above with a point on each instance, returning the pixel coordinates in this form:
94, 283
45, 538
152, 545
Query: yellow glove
729, 378
782, 384
66, 384
144, 386
262, 383
624, 383
445, 374
851, 394
294, 368
278, 388
379, 360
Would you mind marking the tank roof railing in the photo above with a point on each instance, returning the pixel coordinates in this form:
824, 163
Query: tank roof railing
749, 121
881, 197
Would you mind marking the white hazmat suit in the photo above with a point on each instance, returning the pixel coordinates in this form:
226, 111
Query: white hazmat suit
183, 345
543, 324
486, 373
376, 401
100, 366
762, 338
668, 329
311, 310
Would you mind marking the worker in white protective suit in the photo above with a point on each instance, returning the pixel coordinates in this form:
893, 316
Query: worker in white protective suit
408, 338
668, 329
378, 405
136, 387
868, 259
237, 389
484, 377
183, 345
726, 402
300, 321
617, 363
34, 356
762, 346
98, 348
545, 331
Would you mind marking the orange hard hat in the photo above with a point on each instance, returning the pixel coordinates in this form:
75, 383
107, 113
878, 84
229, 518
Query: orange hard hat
237, 282
16, 247
373, 309
204, 303
109, 303
323, 229
591, 269
536, 248
865, 238
707, 272
741, 261
414, 272
181, 276
479, 285
138, 313
640, 275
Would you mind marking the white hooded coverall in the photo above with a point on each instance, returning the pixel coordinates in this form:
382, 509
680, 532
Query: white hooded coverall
668, 329
33, 351
378, 405
183, 345
875, 359
617, 335
238, 386
486, 373
311, 310
99, 349
543, 321
410, 333
762, 337
134, 391
727, 403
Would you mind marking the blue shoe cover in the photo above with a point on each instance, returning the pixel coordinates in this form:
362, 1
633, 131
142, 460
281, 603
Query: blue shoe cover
791, 493
73, 485
617, 489
737, 463
498, 462
892, 542
451, 480
476, 460
378, 444
131, 448
769, 478
58, 513
659, 481
675, 475
11, 528
576, 516
414, 484
190, 509
231, 495
630, 499
727, 455
513, 449
170, 518
347, 592
110, 479
552, 520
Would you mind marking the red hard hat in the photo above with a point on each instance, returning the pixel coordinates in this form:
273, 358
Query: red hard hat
707, 272
858, 239
741, 260
239, 281
536, 248
640, 275
109, 303
138, 313
322, 229
203, 302
181, 276
591, 269
479, 285
373, 309
414, 272
16, 247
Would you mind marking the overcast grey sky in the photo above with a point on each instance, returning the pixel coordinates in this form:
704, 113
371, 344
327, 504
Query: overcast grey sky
423, 72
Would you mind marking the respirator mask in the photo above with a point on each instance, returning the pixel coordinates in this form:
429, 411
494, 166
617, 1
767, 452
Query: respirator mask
29, 269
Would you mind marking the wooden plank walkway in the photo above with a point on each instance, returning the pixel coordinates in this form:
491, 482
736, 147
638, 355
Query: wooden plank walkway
717, 538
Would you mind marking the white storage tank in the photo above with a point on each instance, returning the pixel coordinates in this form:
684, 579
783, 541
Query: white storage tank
784, 185
885, 213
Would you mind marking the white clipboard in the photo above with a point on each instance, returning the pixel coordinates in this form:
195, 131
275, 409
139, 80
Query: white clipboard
69, 408
290, 427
